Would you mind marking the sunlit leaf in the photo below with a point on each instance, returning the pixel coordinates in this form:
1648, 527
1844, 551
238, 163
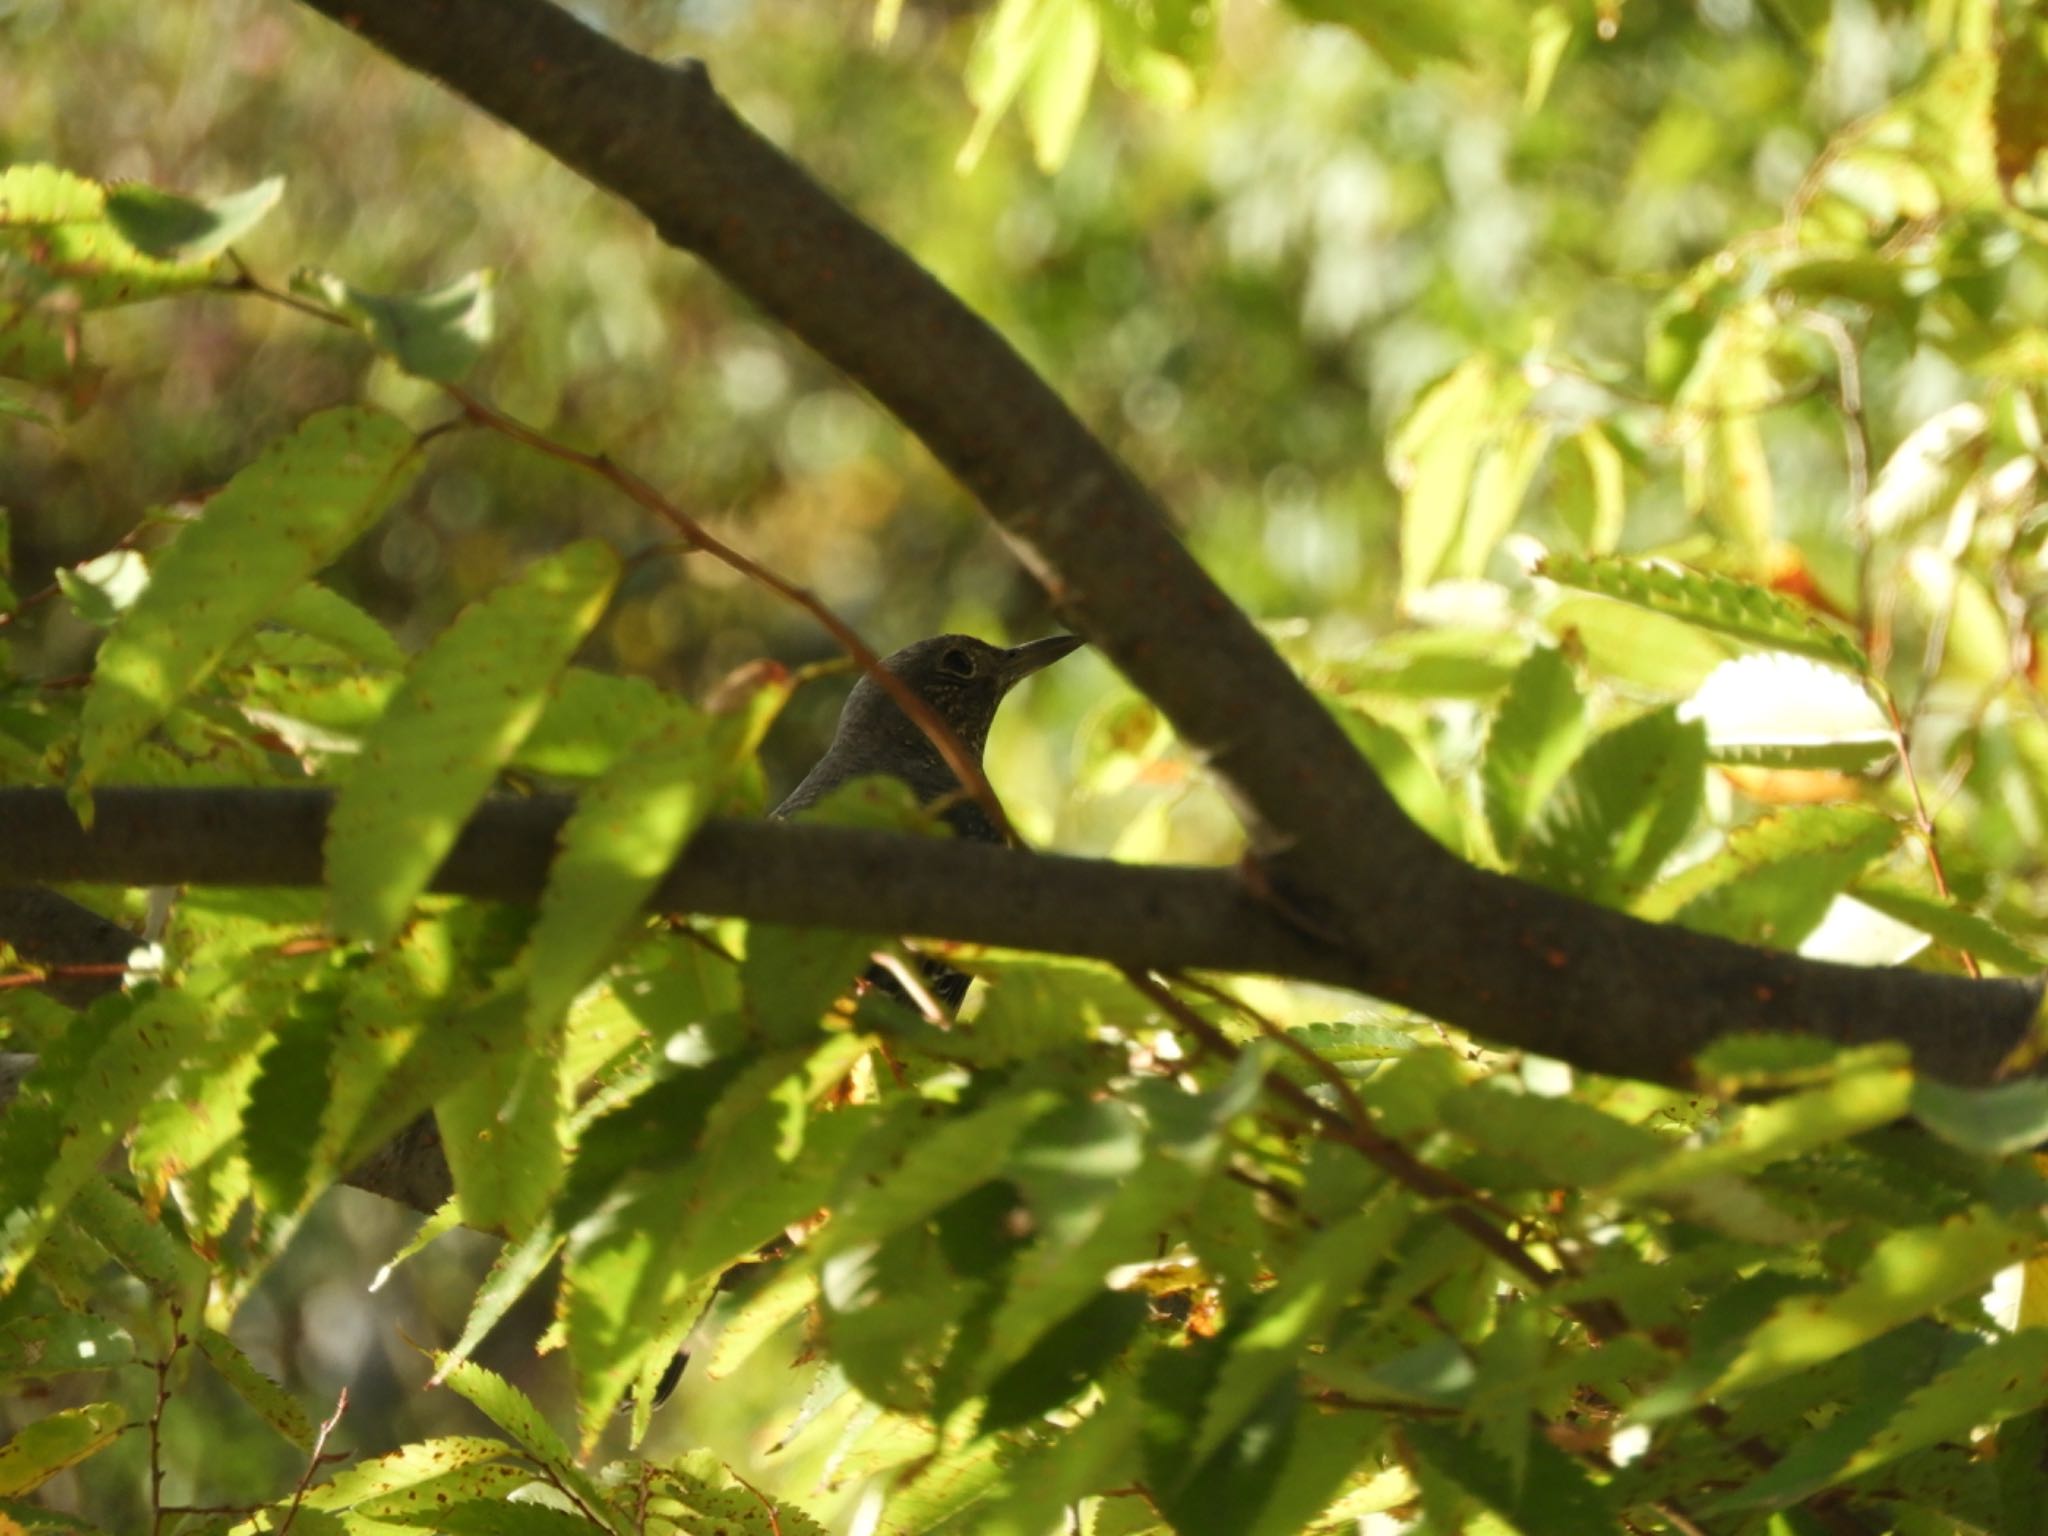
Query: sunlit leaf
56, 1441
464, 707
173, 228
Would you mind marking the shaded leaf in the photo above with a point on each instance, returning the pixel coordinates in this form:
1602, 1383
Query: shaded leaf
173, 228
438, 334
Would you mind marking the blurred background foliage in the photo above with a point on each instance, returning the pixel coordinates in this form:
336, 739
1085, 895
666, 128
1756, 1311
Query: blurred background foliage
1385, 301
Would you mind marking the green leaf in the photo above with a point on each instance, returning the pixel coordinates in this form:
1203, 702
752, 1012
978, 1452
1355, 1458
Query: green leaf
1405, 36
493, 1517
288, 1101
100, 590
173, 228
1774, 879
1646, 651
1537, 731
1066, 1360
1272, 1343
1552, 1498
410, 1475
461, 712
142, 1245
276, 1406
512, 1411
1996, 1121
1407, 775
1767, 1133
1942, 920
94, 1110
438, 334
302, 502
511, 1274
1044, 51
791, 976
57, 1441
1589, 493
1622, 810
1561, 1143
1909, 1272
1750, 613
1432, 458
626, 830
325, 614
32, 196
58, 1344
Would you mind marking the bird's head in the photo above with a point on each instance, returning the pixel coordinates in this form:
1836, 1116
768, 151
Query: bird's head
963, 678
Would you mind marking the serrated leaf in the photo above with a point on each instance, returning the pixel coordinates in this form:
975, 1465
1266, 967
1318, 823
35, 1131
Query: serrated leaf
1535, 734
1621, 810
1780, 711
46, 1346
95, 1110
503, 1129
789, 1293
276, 1406
57, 1441
438, 334
492, 1517
302, 502
512, 1411
791, 976
1561, 1142
1407, 775
1942, 920
511, 1274
1774, 879
626, 830
324, 613
1650, 653
173, 228
456, 720
1908, 1273
1766, 1133
1554, 1497
1309, 1294
174, 1274
35, 195
409, 1472
1746, 612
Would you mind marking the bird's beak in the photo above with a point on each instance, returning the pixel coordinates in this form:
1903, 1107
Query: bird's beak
1020, 661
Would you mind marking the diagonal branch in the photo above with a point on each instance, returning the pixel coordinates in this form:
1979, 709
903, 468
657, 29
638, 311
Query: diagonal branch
1505, 960
1162, 918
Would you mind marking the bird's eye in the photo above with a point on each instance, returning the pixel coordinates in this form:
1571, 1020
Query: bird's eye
957, 663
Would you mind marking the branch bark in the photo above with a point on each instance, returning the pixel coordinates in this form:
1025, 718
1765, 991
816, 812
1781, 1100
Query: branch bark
1166, 918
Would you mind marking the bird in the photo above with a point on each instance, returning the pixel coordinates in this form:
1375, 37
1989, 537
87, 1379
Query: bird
964, 680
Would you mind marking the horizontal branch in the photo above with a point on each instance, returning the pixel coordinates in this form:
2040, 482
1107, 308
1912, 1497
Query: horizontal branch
1508, 957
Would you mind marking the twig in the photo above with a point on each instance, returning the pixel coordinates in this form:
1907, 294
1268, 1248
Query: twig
1922, 822
162, 1366
313, 1461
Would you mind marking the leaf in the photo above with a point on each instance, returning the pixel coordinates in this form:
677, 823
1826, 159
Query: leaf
410, 1473
94, 1110
57, 1441
1499, 488
1621, 811
32, 196
1927, 470
143, 1246
324, 613
1562, 1143
58, 1344
791, 976
1909, 1272
1552, 1498
276, 1406
1432, 457
1536, 732
511, 1274
1273, 1341
1646, 651
438, 334
1591, 499
1407, 775
1995, 1121
1766, 1133
1944, 921
512, 1411
493, 1517
1045, 51
626, 830
302, 502
100, 590
1071, 1355
1750, 613
173, 228
462, 710
1780, 711
1773, 880
1728, 481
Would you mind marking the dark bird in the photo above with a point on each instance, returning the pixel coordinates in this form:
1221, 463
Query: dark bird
964, 680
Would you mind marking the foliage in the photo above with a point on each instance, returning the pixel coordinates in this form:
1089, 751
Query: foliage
1711, 596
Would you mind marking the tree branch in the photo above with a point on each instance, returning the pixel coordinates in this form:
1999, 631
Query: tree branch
1165, 918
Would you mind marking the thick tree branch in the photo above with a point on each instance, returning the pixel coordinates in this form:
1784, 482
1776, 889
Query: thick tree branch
1146, 917
1502, 959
